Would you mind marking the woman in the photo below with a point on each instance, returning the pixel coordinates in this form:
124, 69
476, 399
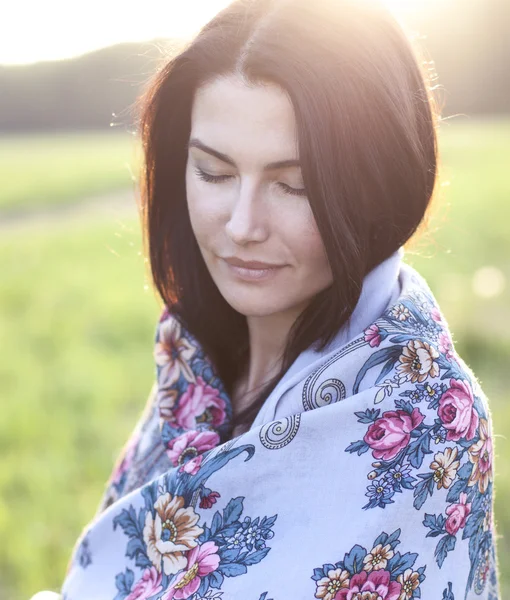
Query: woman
310, 412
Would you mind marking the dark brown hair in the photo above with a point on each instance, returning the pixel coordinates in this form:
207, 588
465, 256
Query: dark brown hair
366, 120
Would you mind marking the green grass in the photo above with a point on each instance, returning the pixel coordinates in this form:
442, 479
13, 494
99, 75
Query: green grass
469, 232
77, 328
43, 170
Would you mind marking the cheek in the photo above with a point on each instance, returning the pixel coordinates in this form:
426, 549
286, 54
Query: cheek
308, 246
203, 211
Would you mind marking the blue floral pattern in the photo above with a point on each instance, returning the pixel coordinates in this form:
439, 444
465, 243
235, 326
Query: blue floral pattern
382, 573
401, 439
425, 434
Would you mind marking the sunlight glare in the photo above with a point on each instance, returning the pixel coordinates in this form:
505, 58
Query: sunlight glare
58, 29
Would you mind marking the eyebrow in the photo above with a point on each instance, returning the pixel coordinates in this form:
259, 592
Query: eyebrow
279, 164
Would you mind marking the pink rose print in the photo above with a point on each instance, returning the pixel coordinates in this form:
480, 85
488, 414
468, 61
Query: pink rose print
377, 585
445, 345
436, 315
209, 500
457, 514
372, 335
202, 560
186, 449
147, 586
392, 432
456, 411
200, 403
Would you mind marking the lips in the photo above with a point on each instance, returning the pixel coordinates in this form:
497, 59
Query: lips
254, 274
251, 264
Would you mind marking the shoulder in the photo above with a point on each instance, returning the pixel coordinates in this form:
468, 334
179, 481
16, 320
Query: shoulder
416, 332
429, 428
174, 344
413, 353
190, 393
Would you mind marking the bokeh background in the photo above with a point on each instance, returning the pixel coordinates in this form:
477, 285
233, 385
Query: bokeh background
77, 312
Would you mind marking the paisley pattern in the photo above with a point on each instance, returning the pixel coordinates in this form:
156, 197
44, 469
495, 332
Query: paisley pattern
331, 390
279, 433
373, 480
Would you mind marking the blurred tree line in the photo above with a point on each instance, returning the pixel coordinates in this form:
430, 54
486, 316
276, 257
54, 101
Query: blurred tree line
468, 42
87, 92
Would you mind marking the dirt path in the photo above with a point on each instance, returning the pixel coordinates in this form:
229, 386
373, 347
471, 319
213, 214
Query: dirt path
110, 206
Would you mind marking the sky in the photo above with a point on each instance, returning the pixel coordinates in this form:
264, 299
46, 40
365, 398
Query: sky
35, 30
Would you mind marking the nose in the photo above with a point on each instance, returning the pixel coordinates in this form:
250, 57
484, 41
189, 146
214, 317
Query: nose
248, 220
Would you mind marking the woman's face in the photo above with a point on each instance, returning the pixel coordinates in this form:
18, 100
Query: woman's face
246, 199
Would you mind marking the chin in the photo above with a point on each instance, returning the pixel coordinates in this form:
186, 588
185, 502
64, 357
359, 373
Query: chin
255, 309
253, 304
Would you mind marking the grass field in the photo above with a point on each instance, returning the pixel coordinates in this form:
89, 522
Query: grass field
77, 324
50, 169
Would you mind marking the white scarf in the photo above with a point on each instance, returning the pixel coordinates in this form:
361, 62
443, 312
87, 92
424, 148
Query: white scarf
366, 475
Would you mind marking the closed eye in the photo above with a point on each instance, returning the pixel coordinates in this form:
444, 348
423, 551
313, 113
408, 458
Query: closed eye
211, 178
287, 189
290, 190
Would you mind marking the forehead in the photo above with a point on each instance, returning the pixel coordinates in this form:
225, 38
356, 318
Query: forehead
246, 121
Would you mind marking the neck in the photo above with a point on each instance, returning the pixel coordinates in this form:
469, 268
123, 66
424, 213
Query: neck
267, 339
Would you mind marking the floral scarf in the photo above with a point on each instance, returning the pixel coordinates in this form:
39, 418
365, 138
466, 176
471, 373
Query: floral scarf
366, 475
